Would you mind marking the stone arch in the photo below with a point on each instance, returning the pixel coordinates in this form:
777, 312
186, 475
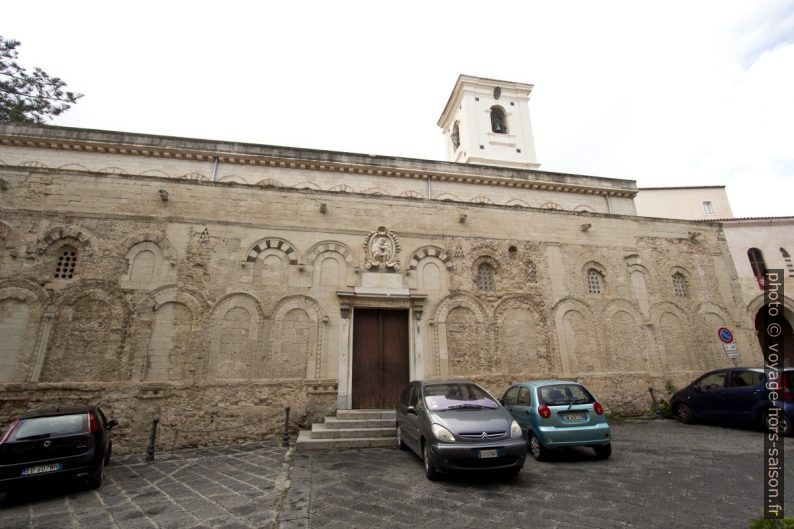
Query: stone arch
296, 339
551, 205
482, 199
21, 312
412, 194
430, 251
74, 167
34, 164
670, 280
89, 335
584, 207
167, 337
236, 323
269, 182
232, 179
252, 254
148, 274
577, 339
521, 337
329, 270
376, 191
330, 246
341, 188
462, 342
81, 237
306, 185
449, 197
113, 169
711, 317
627, 338
517, 202
673, 333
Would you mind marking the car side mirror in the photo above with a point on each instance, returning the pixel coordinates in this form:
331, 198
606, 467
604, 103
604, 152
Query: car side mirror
410, 409
112, 423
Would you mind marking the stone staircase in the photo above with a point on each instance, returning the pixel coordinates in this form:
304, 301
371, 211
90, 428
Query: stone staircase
351, 429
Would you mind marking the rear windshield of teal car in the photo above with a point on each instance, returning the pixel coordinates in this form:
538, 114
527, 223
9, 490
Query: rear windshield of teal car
441, 397
559, 394
42, 427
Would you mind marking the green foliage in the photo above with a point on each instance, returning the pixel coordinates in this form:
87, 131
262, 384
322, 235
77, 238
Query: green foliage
761, 523
29, 97
663, 404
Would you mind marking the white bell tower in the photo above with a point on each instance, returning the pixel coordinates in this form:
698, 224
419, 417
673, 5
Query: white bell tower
487, 122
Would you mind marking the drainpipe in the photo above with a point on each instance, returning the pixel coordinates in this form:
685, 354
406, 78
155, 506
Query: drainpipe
215, 169
429, 188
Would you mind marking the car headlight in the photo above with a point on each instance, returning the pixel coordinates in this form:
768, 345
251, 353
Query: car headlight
515, 430
442, 434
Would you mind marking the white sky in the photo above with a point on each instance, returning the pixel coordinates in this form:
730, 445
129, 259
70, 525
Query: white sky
664, 93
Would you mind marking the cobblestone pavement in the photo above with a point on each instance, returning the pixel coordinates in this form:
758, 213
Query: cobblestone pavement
230, 488
661, 475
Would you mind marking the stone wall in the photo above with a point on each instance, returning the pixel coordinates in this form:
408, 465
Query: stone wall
215, 308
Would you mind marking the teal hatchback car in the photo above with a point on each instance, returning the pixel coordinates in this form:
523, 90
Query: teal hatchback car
558, 413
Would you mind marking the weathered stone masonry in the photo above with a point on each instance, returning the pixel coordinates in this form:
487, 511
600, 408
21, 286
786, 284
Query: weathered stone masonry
214, 303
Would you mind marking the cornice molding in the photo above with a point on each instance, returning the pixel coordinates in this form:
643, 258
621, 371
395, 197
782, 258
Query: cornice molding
193, 154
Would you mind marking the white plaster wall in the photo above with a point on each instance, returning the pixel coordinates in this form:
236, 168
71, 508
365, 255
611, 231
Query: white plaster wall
684, 204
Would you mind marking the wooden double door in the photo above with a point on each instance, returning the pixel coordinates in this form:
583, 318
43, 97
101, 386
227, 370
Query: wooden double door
380, 357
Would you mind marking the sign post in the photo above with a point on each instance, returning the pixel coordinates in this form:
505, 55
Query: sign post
726, 336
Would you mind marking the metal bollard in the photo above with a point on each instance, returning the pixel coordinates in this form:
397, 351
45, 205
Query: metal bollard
152, 439
285, 442
657, 414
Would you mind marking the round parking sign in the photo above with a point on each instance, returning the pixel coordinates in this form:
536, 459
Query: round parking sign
725, 334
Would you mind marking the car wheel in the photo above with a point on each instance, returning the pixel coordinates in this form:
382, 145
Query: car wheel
430, 467
684, 414
95, 480
107, 456
603, 451
785, 426
400, 443
539, 452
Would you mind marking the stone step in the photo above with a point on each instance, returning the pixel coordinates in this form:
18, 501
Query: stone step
335, 423
306, 442
320, 431
366, 414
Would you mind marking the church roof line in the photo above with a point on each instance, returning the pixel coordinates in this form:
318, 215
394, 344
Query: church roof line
136, 144
663, 188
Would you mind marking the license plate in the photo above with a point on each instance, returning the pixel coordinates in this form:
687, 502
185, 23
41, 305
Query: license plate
483, 454
574, 416
41, 469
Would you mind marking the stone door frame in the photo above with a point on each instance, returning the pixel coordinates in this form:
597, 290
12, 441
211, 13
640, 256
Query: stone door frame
348, 301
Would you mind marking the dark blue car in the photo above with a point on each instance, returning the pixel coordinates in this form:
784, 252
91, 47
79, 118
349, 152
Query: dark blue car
733, 395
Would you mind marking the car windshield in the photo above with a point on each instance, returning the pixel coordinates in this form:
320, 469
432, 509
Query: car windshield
50, 426
560, 394
454, 396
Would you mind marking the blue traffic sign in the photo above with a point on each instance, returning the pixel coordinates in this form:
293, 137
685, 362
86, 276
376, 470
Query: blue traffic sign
725, 334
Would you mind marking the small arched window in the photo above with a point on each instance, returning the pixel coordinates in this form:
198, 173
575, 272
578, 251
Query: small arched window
65, 264
595, 281
498, 120
679, 285
485, 277
455, 136
756, 262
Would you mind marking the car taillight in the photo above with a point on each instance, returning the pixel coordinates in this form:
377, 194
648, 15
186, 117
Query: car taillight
544, 411
92, 422
7, 432
598, 408
787, 395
